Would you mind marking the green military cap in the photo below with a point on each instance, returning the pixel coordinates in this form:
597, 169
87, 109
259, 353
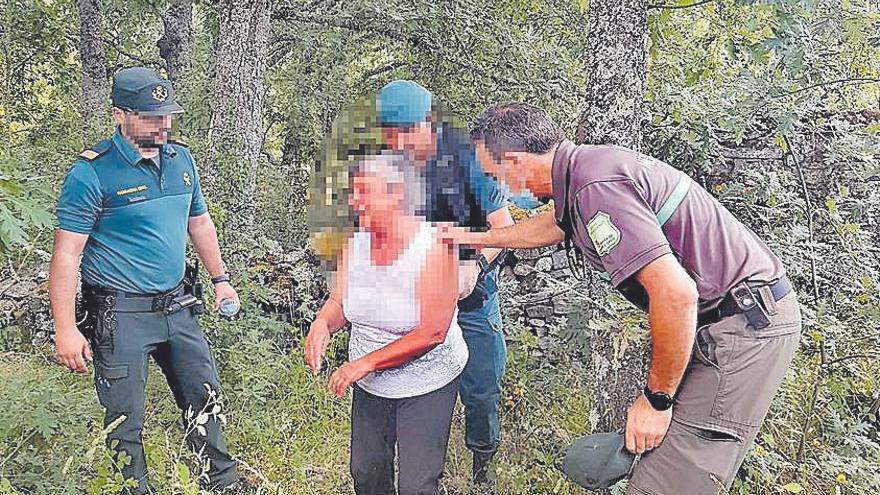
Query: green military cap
142, 90
598, 461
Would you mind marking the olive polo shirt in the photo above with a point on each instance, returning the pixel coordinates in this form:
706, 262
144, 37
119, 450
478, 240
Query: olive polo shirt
628, 209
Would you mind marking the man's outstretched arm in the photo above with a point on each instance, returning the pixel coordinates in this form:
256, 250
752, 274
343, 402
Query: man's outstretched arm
535, 232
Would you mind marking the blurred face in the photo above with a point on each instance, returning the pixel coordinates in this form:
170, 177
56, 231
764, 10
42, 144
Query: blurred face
375, 200
507, 169
146, 131
417, 141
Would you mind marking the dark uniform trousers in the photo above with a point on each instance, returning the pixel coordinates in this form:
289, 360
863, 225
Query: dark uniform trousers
123, 344
726, 392
481, 379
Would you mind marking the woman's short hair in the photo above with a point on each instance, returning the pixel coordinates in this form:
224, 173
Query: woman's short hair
394, 168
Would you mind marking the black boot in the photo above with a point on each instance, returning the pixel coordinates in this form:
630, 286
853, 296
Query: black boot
483, 476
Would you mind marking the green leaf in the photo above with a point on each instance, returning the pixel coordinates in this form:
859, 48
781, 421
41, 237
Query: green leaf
183, 473
779, 140
793, 487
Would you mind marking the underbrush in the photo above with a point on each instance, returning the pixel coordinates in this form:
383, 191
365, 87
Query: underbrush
291, 434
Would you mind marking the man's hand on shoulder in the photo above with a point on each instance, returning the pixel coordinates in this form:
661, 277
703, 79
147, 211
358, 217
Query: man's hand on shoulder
451, 233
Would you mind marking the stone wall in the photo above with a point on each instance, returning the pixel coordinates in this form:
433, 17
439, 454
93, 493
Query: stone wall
24, 305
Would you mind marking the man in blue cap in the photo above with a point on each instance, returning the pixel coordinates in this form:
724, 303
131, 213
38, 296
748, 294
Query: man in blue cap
459, 191
127, 206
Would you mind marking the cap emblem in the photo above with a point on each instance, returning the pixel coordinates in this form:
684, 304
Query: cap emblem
160, 93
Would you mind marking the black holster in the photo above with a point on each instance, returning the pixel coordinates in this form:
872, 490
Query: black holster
192, 286
95, 317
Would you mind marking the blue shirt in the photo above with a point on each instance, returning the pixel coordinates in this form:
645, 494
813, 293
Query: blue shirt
458, 189
135, 212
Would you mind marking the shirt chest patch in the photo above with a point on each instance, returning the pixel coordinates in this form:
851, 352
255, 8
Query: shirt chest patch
187, 179
131, 190
604, 234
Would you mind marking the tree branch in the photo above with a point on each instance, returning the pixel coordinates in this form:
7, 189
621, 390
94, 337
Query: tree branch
854, 356
118, 49
842, 82
679, 7
809, 212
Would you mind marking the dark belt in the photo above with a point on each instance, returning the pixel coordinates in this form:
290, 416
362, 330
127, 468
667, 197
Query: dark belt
128, 302
745, 298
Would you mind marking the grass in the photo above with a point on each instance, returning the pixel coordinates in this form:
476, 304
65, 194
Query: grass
290, 433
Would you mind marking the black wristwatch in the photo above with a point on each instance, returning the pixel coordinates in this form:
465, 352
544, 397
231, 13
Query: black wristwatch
219, 279
660, 401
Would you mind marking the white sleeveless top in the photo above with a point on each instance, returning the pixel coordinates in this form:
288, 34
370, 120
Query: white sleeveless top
381, 302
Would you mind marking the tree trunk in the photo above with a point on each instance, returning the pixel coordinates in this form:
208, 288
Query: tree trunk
235, 135
176, 44
94, 99
297, 174
616, 53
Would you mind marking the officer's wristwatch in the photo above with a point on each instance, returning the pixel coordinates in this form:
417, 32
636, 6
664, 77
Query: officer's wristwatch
660, 401
219, 279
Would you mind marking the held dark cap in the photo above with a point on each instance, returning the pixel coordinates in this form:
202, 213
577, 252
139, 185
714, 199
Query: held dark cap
142, 90
598, 461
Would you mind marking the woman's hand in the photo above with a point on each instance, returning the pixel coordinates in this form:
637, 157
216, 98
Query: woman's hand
347, 374
316, 345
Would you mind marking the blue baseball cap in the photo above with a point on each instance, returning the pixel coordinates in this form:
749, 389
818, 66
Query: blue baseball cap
403, 102
142, 90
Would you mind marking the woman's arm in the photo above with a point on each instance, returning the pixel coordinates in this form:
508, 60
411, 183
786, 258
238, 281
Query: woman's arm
329, 320
437, 297
331, 315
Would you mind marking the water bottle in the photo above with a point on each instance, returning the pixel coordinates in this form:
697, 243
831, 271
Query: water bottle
229, 307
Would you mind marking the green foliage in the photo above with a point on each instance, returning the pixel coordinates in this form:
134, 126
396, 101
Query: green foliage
787, 86
23, 210
284, 424
50, 440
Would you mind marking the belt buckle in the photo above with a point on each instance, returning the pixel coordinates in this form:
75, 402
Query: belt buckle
160, 303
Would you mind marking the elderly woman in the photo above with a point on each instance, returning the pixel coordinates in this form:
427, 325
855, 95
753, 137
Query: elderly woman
398, 287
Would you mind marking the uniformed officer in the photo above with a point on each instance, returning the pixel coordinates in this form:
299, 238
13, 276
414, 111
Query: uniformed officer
127, 205
459, 191
724, 320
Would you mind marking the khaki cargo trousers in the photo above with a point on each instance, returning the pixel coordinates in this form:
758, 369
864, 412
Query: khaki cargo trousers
726, 391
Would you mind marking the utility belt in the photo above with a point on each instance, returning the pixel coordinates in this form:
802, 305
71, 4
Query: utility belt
177, 299
750, 299
96, 315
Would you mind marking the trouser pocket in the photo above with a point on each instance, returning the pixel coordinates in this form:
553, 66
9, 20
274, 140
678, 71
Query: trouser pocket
113, 385
691, 460
733, 375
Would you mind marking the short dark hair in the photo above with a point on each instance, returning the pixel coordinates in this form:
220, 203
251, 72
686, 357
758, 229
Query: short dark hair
515, 126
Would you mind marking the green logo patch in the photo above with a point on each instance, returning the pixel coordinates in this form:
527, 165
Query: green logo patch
604, 234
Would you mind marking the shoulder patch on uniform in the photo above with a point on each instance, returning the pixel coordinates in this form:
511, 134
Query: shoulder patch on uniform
96, 150
604, 234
